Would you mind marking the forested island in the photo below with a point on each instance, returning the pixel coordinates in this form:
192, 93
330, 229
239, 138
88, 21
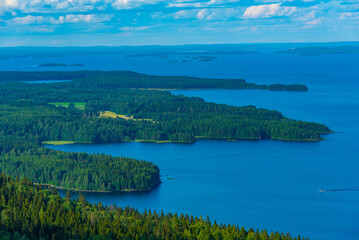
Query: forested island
126, 79
303, 51
31, 212
140, 51
104, 107
205, 58
60, 65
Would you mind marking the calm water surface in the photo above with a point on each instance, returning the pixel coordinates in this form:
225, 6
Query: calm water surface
261, 184
47, 81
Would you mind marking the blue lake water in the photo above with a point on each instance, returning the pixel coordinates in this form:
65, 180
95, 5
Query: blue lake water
47, 81
261, 184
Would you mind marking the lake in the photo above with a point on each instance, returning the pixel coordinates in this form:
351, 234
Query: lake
46, 81
262, 184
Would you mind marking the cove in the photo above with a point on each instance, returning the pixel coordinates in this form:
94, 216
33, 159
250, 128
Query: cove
269, 184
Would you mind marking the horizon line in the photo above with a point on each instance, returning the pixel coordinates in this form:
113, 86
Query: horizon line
189, 44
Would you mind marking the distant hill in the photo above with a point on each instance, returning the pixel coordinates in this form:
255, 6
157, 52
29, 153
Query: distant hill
158, 50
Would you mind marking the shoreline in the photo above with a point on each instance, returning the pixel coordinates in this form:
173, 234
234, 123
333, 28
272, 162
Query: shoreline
60, 143
92, 191
195, 89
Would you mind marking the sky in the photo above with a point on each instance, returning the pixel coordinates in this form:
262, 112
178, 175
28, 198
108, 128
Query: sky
175, 22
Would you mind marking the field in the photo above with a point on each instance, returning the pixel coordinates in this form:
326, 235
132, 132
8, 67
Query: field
126, 117
114, 115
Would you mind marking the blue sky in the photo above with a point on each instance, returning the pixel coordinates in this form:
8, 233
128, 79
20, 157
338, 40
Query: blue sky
172, 22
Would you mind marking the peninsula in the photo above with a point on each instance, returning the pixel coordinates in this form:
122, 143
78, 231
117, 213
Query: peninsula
104, 107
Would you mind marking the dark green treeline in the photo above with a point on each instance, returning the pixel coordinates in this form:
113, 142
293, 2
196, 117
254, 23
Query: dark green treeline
29, 212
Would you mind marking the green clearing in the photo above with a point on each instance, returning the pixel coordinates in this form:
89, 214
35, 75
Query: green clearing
58, 142
109, 114
78, 105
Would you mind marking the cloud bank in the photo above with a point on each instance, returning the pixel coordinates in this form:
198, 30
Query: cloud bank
177, 21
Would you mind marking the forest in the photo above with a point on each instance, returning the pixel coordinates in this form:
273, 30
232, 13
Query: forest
125, 79
31, 114
32, 212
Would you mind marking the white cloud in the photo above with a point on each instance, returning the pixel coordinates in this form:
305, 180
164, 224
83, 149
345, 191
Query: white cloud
9, 3
28, 20
315, 21
194, 4
218, 14
6, 5
70, 6
127, 29
186, 5
128, 4
267, 11
271, 1
185, 14
42, 29
349, 15
37, 13
202, 14
37, 6
350, 7
69, 18
307, 16
93, 18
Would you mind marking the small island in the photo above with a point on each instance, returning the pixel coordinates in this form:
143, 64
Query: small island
158, 55
315, 51
76, 65
60, 65
204, 58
